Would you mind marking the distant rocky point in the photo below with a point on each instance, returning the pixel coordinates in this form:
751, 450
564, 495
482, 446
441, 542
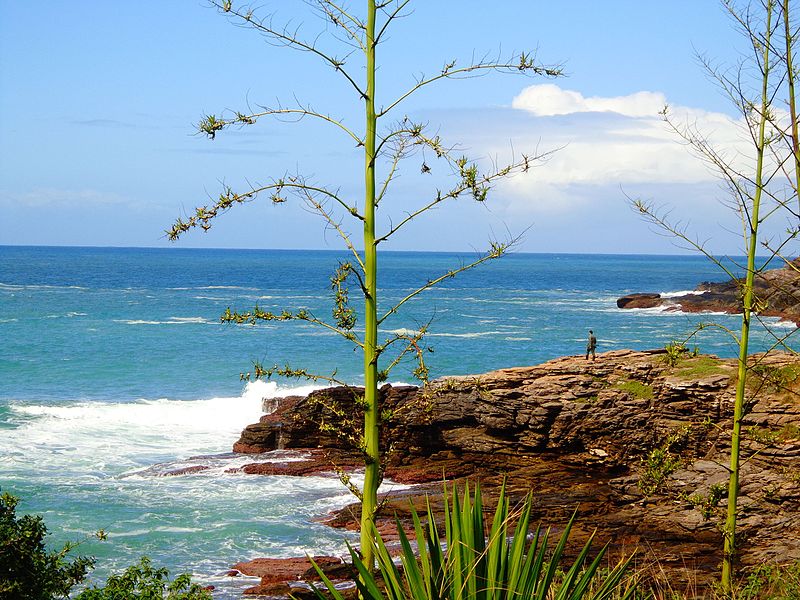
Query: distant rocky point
777, 294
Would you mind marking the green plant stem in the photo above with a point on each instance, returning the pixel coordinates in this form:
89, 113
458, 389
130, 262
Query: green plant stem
372, 414
792, 105
729, 533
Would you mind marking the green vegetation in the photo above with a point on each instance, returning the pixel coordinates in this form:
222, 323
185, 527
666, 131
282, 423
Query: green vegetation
774, 378
637, 389
775, 582
766, 436
760, 87
28, 570
144, 582
482, 561
706, 503
355, 36
699, 367
661, 462
675, 351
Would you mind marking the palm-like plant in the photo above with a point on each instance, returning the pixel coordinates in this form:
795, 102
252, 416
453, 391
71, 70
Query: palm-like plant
476, 564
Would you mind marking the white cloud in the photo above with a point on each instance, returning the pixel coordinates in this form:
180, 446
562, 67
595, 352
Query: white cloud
611, 142
548, 99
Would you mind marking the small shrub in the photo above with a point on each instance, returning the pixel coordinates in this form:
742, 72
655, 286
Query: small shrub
659, 464
28, 571
766, 436
779, 582
674, 352
774, 378
144, 582
662, 462
708, 502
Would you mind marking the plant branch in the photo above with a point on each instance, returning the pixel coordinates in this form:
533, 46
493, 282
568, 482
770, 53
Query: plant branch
496, 250
286, 38
522, 63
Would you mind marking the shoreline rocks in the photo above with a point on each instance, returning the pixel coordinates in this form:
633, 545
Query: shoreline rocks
581, 435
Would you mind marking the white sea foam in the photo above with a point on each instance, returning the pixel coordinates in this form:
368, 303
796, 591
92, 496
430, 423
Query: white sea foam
114, 438
781, 323
403, 331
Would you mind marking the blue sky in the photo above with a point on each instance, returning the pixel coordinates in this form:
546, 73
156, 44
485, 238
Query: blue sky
98, 100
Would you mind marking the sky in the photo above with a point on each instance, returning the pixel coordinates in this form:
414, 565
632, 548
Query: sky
99, 100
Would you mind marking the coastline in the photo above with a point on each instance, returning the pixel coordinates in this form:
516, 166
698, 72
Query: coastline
578, 433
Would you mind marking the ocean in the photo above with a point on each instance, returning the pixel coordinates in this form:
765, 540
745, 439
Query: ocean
115, 369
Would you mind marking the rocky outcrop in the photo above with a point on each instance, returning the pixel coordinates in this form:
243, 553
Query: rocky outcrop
587, 434
279, 576
777, 294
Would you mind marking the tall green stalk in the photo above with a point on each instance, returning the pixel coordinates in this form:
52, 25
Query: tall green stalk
792, 104
399, 141
729, 533
369, 501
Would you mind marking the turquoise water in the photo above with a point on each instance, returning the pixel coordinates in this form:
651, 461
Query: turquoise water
114, 369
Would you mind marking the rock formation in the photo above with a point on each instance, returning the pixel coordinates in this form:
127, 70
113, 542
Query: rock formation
777, 294
637, 445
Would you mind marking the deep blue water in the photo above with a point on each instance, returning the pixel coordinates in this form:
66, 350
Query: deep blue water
114, 368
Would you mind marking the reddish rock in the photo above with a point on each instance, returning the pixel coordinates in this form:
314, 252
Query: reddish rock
639, 301
279, 589
272, 570
313, 462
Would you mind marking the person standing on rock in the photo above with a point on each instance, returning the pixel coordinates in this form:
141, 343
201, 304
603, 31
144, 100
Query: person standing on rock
591, 345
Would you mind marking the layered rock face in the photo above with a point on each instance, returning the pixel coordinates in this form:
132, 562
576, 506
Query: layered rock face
777, 294
637, 445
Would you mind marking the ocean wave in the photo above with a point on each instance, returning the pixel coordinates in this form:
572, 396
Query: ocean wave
151, 530
471, 334
518, 339
213, 287
20, 287
169, 321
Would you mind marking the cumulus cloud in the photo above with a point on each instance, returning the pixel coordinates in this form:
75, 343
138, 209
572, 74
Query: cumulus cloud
608, 142
548, 99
